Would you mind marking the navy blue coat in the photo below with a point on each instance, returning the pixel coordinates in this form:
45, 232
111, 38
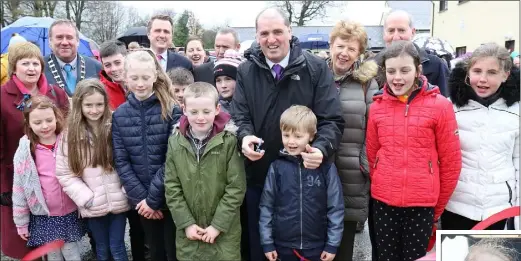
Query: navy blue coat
140, 140
301, 208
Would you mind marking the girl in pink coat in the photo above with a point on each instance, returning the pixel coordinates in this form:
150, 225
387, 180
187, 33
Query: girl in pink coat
42, 212
85, 169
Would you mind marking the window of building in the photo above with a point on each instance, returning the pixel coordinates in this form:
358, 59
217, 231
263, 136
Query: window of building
461, 51
510, 45
444, 5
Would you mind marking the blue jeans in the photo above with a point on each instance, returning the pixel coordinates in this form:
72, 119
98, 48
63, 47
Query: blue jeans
109, 235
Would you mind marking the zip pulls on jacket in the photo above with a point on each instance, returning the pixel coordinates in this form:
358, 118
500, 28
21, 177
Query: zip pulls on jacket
300, 162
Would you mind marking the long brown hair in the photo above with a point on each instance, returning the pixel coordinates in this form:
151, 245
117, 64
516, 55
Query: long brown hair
40, 102
162, 86
85, 146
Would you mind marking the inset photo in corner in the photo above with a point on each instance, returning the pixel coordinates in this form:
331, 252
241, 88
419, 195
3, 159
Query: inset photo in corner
478, 245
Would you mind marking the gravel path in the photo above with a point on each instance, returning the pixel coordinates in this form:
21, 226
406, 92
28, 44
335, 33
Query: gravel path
362, 247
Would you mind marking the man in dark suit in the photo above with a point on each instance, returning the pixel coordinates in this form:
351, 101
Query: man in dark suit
225, 39
159, 32
399, 25
65, 67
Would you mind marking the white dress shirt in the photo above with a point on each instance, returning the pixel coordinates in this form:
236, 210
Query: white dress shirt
284, 63
163, 61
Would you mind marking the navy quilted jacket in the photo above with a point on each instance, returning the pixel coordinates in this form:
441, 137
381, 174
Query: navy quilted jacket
301, 208
140, 140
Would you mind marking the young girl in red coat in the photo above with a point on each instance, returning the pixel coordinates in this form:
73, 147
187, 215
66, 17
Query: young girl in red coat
414, 156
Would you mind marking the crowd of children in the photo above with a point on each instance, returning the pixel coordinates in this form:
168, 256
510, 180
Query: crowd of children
165, 146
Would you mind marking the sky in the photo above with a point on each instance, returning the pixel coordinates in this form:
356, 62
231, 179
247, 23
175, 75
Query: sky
243, 13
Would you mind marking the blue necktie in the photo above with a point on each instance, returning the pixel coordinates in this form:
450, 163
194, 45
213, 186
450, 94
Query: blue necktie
71, 79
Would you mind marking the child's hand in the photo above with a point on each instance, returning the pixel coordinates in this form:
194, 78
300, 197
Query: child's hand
210, 235
24, 236
271, 256
194, 232
327, 256
157, 215
144, 210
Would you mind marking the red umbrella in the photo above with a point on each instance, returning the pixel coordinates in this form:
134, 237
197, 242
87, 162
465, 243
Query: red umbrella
44, 250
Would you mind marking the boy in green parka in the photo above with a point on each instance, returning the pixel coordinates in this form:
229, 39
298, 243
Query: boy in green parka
205, 182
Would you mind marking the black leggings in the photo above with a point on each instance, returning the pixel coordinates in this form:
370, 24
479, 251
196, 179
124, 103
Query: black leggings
401, 233
453, 221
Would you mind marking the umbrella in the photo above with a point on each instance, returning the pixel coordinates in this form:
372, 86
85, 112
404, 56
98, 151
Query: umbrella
36, 30
314, 41
135, 34
435, 44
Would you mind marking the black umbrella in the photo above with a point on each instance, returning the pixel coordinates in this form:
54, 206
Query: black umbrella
135, 34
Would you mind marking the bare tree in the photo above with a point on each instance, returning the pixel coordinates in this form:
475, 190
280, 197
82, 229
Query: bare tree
301, 12
167, 11
134, 19
11, 11
194, 27
105, 20
49, 7
74, 11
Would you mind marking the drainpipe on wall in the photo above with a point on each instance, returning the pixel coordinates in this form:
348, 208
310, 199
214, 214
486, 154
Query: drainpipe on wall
432, 19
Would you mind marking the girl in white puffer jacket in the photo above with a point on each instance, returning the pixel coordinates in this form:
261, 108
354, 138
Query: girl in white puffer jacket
84, 167
485, 92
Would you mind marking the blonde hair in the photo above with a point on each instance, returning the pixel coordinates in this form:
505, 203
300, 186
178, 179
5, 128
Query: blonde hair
201, 89
22, 50
82, 150
298, 118
348, 31
162, 86
491, 50
134, 45
492, 246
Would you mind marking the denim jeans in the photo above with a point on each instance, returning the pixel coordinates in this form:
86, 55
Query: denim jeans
109, 234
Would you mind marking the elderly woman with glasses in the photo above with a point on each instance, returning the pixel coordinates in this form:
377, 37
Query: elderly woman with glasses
25, 67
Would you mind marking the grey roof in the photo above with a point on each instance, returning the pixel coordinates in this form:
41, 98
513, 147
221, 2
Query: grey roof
375, 33
421, 12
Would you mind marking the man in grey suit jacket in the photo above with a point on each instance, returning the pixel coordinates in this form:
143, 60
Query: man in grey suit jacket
65, 67
225, 39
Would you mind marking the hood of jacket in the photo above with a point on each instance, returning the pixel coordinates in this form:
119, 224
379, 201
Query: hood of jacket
425, 89
222, 122
461, 93
255, 54
361, 71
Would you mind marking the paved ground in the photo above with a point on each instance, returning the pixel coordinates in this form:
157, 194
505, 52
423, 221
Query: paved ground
362, 248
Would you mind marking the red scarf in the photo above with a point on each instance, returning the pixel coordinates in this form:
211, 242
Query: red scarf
41, 85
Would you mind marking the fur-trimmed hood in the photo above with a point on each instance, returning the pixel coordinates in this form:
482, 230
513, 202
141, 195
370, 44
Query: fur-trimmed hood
461, 93
362, 72
223, 117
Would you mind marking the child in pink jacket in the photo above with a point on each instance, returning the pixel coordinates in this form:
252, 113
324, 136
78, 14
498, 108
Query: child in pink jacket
85, 169
42, 212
